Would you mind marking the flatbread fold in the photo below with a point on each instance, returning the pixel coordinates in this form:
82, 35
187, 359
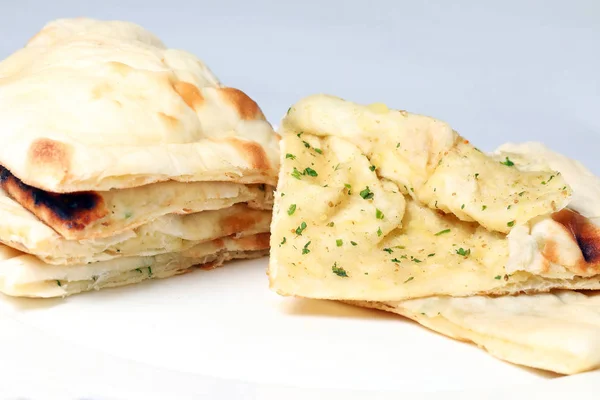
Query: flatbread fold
557, 331
92, 105
376, 204
25, 275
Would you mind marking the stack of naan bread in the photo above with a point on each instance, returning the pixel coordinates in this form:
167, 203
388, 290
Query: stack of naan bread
387, 209
123, 160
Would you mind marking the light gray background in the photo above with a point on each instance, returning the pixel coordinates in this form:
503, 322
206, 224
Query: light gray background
497, 71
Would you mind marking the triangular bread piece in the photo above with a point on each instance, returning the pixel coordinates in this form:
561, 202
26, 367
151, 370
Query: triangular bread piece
98, 105
377, 204
556, 331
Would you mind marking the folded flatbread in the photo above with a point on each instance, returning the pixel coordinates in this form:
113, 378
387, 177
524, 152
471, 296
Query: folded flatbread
384, 205
92, 105
25, 275
558, 331
95, 215
169, 233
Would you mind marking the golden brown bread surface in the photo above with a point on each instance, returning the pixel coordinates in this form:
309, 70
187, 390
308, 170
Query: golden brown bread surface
97, 105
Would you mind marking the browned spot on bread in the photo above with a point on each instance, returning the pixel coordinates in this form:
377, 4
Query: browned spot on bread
189, 94
63, 212
120, 68
253, 152
585, 233
245, 106
255, 242
169, 120
239, 222
47, 153
219, 243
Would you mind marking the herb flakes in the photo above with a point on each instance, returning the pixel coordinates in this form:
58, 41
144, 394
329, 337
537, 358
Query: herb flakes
442, 232
339, 271
463, 252
508, 163
292, 209
301, 228
366, 194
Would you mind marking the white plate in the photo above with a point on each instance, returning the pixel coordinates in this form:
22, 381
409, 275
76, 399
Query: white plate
224, 328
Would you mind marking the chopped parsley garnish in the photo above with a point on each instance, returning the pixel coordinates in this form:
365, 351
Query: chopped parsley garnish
347, 186
477, 175
390, 251
58, 283
290, 156
508, 163
306, 144
396, 260
366, 193
548, 181
128, 214
462, 207
431, 255
463, 252
339, 242
510, 223
353, 243
318, 150
138, 270
521, 194
299, 134
400, 247
483, 208
305, 249
379, 214
331, 224
339, 271
310, 172
283, 241
379, 232
301, 228
498, 277
397, 145
296, 174
289, 109
416, 260
442, 232
336, 167
149, 271
292, 209
509, 206
372, 168
409, 279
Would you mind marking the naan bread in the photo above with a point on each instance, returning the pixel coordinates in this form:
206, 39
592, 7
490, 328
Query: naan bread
166, 234
25, 275
96, 215
375, 204
97, 105
557, 332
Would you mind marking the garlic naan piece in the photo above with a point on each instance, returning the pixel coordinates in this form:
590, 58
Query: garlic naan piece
355, 218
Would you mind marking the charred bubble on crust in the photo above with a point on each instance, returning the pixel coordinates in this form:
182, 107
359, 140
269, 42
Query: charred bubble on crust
71, 208
585, 233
